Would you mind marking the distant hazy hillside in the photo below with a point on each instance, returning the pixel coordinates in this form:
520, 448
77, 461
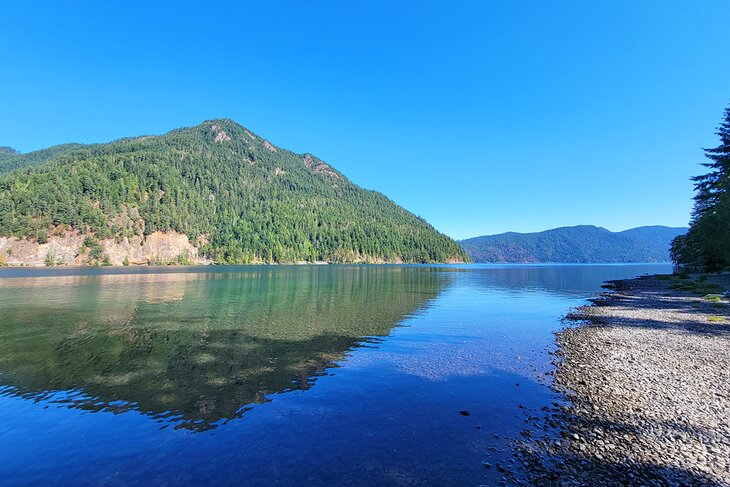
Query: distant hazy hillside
233, 194
583, 243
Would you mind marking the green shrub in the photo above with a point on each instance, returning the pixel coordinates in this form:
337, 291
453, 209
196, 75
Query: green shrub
183, 259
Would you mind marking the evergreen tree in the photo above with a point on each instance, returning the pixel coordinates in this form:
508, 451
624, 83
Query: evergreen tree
707, 243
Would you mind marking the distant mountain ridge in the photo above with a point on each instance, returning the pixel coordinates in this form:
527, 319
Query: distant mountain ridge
580, 244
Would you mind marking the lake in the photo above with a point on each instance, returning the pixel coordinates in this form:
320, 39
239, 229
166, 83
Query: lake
279, 375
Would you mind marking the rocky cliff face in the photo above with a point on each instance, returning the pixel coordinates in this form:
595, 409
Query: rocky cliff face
71, 248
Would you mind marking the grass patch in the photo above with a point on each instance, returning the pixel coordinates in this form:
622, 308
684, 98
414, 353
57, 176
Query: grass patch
696, 286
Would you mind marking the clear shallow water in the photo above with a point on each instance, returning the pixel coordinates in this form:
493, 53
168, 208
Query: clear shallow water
322, 375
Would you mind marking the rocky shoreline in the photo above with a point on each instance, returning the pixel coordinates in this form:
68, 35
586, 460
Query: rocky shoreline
645, 370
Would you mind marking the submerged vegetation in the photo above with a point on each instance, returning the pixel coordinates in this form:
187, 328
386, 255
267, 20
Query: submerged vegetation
237, 197
707, 244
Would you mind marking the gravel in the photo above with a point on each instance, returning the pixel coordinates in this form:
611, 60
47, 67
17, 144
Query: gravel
645, 371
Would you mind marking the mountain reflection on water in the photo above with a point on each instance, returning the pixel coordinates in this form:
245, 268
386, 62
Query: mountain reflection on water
395, 353
194, 349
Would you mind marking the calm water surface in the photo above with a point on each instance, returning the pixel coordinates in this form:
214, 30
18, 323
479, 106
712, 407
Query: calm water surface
321, 375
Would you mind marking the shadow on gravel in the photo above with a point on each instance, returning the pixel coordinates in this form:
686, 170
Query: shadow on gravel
585, 450
709, 329
561, 470
692, 325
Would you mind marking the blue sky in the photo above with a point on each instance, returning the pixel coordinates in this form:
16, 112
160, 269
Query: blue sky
480, 116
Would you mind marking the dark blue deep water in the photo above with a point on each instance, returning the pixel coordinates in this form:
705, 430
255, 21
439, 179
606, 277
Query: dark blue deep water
289, 375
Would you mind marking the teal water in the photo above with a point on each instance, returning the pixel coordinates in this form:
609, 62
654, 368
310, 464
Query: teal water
289, 375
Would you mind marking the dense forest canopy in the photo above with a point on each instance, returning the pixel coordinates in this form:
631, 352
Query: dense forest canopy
582, 243
239, 198
707, 244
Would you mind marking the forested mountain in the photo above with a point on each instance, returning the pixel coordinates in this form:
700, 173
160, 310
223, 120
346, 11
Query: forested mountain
583, 243
707, 244
237, 197
10, 159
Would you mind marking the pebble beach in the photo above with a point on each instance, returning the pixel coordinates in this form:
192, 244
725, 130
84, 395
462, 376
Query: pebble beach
645, 371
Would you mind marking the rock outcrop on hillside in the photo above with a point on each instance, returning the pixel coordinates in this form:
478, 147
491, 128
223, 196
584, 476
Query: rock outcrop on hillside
70, 248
